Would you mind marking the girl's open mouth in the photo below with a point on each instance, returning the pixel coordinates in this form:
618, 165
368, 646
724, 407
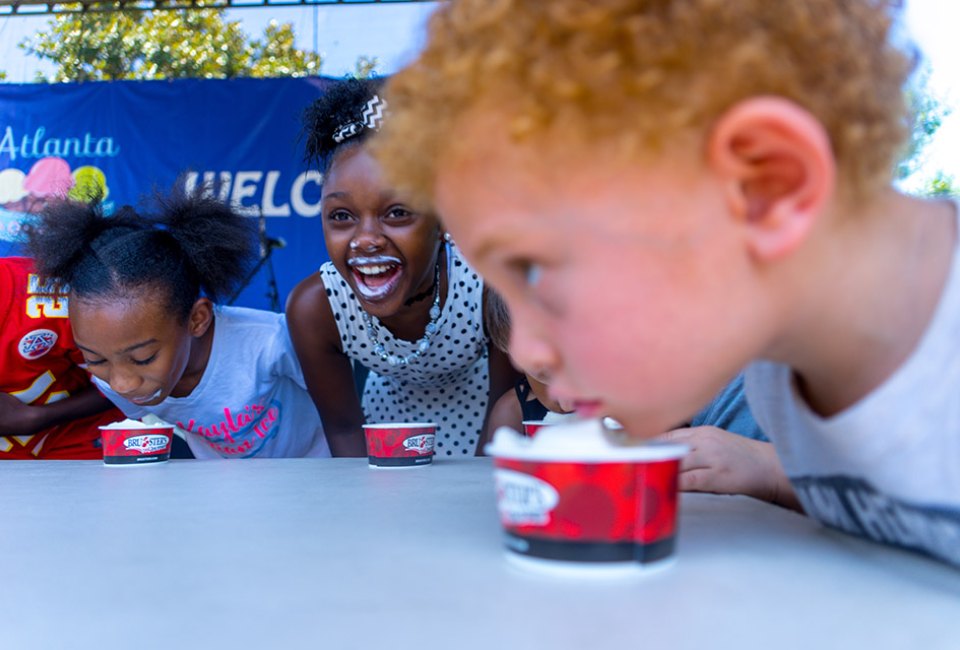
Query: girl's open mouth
375, 277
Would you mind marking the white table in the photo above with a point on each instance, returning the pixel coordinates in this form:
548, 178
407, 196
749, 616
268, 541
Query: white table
287, 554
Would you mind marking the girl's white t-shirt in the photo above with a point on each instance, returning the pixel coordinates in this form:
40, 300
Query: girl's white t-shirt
251, 401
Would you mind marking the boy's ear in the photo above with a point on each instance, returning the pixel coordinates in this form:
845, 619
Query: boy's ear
778, 170
201, 317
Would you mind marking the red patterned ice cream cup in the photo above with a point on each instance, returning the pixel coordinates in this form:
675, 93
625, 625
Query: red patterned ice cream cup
134, 443
573, 496
400, 444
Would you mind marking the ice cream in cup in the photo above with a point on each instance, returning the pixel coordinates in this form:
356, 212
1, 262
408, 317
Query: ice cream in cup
134, 443
579, 498
400, 444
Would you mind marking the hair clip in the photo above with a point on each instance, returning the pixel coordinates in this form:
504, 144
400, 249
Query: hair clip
373, 112
371, 118
347, 131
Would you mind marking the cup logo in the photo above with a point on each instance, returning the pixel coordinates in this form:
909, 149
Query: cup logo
422, 444
524, 500
146, 444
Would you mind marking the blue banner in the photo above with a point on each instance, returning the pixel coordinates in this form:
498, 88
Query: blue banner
129, 139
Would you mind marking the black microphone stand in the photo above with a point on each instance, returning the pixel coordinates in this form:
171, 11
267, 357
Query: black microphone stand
267, 246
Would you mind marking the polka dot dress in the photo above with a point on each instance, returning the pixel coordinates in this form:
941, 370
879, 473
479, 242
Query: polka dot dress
447, 385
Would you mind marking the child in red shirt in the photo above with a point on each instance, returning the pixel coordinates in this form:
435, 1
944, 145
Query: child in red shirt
48, 408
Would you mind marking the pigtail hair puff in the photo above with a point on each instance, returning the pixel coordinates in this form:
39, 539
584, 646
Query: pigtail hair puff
61, 239
342, 104
219, 244
191, 244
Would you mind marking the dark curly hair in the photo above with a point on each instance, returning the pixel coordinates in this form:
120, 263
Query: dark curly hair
192, 245
496, 320
341, 104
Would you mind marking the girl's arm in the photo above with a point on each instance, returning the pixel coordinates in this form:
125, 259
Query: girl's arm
506, 412
19, 419
503, 377
326, 369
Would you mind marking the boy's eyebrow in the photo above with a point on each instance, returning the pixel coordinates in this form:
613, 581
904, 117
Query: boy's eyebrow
127, 349
488, 244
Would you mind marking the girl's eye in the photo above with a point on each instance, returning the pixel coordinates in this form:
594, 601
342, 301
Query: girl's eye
338, 215
97, 362
398, 212
145, 362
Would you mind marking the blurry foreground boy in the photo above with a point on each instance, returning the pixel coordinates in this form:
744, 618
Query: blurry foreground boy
664, 192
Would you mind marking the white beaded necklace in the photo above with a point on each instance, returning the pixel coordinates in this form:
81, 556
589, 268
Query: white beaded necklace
425, 341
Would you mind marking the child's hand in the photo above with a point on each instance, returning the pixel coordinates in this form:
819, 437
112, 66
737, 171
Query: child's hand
725, 463
17, 418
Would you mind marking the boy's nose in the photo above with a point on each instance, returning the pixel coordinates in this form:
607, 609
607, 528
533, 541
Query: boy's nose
532, 352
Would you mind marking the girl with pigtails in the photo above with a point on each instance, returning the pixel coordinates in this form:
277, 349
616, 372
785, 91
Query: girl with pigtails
396, 298
143, 291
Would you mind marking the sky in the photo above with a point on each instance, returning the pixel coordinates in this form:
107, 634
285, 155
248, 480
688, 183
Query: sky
393, 34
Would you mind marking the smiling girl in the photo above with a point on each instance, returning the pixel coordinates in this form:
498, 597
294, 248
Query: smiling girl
395, 297
142, 308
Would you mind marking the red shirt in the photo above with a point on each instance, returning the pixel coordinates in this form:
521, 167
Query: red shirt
39, 364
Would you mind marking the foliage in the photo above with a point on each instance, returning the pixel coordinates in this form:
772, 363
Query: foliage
111, 45
942, 184
365, 67
928, 112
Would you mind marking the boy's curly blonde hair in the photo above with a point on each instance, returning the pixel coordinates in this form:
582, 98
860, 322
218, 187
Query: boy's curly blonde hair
643, 71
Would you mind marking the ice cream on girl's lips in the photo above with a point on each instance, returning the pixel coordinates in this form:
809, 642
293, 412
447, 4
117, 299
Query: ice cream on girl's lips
148, 399
377, 276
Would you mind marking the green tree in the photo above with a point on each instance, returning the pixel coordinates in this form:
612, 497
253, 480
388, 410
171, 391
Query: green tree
942, 184
365, 67
928, 112
165, 45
